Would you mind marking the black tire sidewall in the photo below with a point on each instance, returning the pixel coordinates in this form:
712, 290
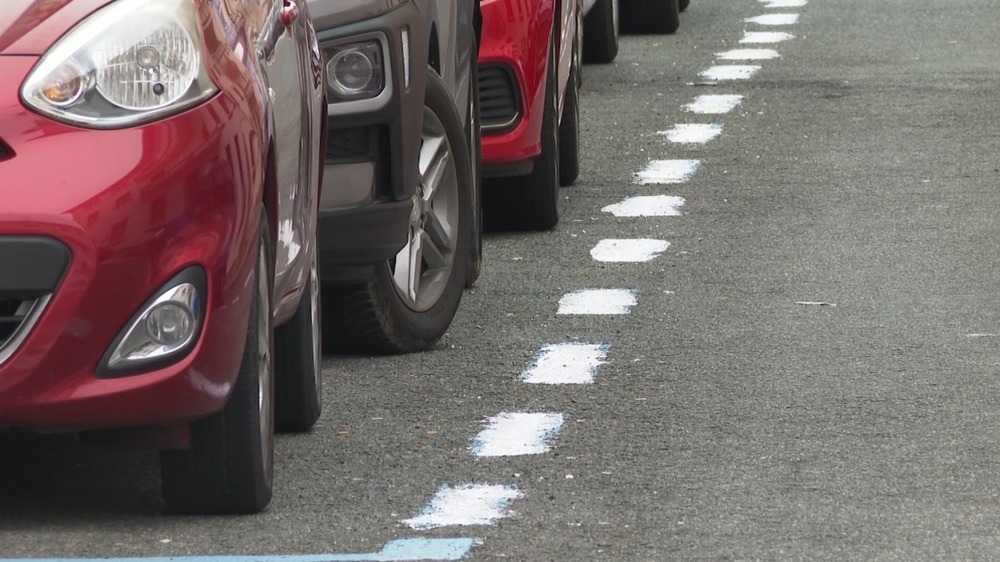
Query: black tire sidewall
600, 34
297, 377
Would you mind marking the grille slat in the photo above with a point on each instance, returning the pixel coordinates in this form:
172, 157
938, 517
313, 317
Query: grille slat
12, 314
499, 106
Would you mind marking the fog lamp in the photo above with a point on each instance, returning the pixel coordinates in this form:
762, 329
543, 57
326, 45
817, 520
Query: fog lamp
356, 70
162, 330
170, 323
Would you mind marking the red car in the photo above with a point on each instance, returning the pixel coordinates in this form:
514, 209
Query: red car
529, 65
160, 163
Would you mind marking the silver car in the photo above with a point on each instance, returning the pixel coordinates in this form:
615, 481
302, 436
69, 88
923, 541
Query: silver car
399, 219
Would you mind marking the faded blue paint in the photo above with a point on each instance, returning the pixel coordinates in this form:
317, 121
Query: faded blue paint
394, 551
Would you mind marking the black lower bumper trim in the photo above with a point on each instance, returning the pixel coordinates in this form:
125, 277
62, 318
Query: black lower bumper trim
362, 236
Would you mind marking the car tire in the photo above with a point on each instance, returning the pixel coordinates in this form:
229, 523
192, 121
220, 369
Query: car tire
229, 465
650, 16
531, 202
475, 143
298, 362
683, 5
600, 33
569, 129
411, 300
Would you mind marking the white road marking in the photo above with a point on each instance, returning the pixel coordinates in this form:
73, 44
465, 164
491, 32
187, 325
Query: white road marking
660, 172
765, 36
748, 54
774, 19
514, 434
566, 363
628, 250
784, 3
597, 302
692, 133
714, 104
647, 206
730, 72
470, 504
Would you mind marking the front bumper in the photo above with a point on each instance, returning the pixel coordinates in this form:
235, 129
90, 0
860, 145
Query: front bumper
372, 149
515, 44
129, 209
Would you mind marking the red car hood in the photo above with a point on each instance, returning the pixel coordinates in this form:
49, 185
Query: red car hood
30, 27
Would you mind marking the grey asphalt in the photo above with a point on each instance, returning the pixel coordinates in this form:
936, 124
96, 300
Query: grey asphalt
861, 170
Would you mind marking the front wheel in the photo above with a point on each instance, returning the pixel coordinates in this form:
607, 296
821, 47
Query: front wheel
650, 16
683, 4
411, 300
600, 32
298, 362
229, 466
569, 129
531, 202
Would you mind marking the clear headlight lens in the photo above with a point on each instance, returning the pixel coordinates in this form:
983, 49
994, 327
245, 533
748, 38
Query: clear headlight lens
130, 63
355, 71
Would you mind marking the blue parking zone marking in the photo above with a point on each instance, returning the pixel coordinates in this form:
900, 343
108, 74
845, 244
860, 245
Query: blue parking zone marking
393, 551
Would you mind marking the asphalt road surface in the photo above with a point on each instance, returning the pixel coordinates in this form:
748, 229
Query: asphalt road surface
804, 367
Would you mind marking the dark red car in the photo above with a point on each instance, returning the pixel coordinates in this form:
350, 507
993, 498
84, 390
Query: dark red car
160, 165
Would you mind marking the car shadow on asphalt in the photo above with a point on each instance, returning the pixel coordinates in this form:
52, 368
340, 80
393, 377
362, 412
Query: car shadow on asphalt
48, 478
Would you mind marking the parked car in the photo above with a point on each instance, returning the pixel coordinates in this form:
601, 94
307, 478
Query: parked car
651, 16
160, 163
400, 233
600, 30
529, 65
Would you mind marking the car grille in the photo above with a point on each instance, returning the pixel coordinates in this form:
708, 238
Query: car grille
32, 269
17, 317
349, 144
12, 314
499, 106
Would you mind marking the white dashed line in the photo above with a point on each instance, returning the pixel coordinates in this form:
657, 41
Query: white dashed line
566, 363
784, 3
628, 250
749, 54
730, 72
515, 434
597, 302
471, 504
766, 36
647, 206
692, 133
714, 104
660, 172
774, 19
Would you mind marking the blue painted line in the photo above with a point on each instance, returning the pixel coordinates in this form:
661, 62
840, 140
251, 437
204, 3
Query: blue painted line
394, 551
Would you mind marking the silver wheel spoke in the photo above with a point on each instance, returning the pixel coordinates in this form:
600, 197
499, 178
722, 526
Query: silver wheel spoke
408, 264
434, 156
440, 233
432, 255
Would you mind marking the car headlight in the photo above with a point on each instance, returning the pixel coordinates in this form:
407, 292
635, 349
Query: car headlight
355, 71
130, 63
